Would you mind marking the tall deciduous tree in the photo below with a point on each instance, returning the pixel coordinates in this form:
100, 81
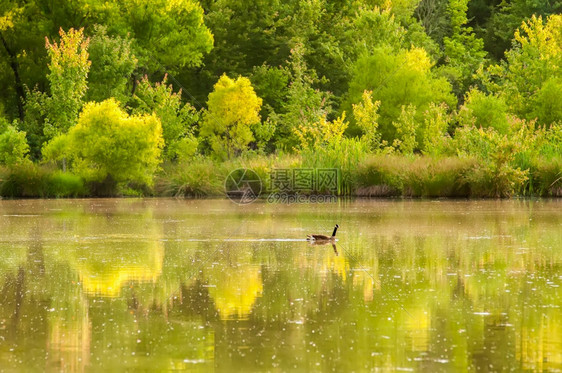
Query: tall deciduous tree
396, 80
464, 52
529, 78
233, 107
305, 104
50, 114
68, 80
113, 62
178, 119
170, 32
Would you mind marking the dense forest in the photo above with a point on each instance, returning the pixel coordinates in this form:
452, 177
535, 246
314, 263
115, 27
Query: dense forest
404, 97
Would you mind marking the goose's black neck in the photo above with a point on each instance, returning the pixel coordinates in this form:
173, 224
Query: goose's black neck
335, 230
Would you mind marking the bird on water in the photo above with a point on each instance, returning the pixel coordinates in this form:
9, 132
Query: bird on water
321, 237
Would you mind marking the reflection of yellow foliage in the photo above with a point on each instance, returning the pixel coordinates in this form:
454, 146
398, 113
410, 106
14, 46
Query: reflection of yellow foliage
337, 264
235, 289
323, 260
538, 348
363, 279
69, 339
108, 281
417, 327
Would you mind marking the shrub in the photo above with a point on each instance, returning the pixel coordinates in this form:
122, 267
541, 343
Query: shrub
485, 111
13, 146
107, 144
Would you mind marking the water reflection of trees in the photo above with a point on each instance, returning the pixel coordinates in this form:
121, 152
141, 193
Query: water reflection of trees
395, 298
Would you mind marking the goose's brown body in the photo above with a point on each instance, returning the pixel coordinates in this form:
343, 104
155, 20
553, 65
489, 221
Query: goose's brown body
321, 237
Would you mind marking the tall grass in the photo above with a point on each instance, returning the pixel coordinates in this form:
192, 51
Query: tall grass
391, 175
547, 177
29, 180
344, 155
203, 177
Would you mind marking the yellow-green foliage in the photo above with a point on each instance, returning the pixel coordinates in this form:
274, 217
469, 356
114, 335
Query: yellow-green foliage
497, 174
177, 118
233, 107
434, 136
107, 142
406, 128
366, 116
13, 145
68, 72
398, 79
530, 76
484, 111
322, 132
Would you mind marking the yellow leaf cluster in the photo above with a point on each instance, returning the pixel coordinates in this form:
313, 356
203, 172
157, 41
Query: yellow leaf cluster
321, 132
7, 20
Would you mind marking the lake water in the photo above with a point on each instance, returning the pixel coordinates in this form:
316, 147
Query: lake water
198, 285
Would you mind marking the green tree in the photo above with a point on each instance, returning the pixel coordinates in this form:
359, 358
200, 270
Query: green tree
406, 129
68, 80
507, 17
11, 14
434, 136
320, 133
51, 115
304, 104
170, 32
432, 14
398, 79
271, 84
178, 119
233, 107
533, 61
547, 105
108, 144
464, 52
113, 63
23, 28
48, 115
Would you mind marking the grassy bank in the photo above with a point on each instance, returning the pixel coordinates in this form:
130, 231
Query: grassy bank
382, 176
364, 176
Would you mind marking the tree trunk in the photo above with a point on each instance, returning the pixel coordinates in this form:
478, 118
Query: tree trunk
19, 85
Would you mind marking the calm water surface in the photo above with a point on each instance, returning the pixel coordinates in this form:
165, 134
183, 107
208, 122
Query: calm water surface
156, 285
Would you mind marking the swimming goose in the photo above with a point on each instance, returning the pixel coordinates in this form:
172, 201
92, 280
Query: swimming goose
321, 237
